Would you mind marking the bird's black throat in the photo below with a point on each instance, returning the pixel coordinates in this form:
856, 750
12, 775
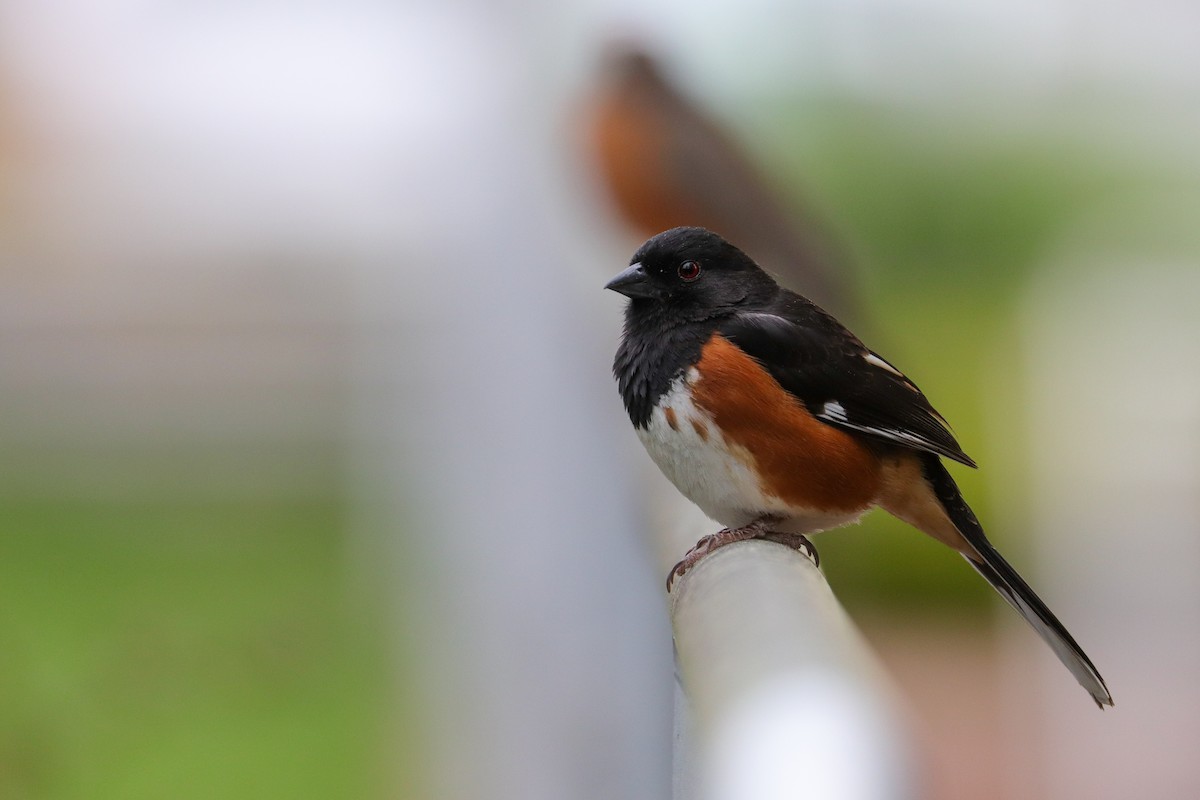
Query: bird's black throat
656, 347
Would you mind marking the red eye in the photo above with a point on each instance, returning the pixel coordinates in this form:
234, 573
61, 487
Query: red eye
689, 271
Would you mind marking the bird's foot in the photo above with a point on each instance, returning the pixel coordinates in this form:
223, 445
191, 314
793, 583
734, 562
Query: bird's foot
796, 541
755, 530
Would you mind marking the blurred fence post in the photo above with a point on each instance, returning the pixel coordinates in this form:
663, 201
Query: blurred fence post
785, 698
496, 504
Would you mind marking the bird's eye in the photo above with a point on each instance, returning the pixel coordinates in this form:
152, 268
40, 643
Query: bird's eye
689, 271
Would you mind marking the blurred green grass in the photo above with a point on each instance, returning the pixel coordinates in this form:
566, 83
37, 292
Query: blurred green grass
184, 650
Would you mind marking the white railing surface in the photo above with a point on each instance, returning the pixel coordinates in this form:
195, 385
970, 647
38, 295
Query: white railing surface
781, 698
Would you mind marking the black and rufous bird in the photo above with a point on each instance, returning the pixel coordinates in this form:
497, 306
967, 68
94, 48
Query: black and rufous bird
778, 422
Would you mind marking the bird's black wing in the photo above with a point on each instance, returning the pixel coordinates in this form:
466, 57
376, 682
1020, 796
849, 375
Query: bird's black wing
840, 380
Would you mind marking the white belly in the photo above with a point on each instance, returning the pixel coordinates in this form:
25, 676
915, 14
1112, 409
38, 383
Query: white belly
719, 477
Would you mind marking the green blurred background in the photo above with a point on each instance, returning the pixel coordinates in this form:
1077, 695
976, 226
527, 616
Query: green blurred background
220, 647
206, 649
163, 640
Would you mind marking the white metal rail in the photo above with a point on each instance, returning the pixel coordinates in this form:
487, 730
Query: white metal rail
783, 697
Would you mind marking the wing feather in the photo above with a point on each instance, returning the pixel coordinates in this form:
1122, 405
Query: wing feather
839, 379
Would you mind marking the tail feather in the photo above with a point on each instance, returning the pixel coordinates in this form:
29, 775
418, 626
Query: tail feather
1011, 586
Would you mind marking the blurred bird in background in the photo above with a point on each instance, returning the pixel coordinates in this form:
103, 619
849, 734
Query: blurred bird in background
667, 163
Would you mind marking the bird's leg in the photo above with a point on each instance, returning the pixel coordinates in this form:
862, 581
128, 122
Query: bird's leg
715, 541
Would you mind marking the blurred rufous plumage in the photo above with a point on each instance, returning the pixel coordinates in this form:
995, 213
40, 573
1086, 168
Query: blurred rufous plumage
667, 163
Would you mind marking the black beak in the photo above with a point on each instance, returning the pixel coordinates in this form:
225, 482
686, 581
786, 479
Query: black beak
632, 283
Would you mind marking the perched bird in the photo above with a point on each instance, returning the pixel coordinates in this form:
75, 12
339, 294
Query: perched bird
778, 422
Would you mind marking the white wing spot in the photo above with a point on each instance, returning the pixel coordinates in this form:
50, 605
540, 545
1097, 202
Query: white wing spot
876, 361
834, 411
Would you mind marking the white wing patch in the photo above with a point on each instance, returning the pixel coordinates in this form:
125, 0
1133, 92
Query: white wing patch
876, 361
833, 411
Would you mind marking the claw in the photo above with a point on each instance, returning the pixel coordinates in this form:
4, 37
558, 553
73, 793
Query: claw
715, 541
796, 541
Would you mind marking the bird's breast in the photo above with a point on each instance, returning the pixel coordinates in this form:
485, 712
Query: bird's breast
738, 445
691, 451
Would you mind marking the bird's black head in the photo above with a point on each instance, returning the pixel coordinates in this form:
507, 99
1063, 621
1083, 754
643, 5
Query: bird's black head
693, 272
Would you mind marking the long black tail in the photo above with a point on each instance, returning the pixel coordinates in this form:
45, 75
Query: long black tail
1011, 586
